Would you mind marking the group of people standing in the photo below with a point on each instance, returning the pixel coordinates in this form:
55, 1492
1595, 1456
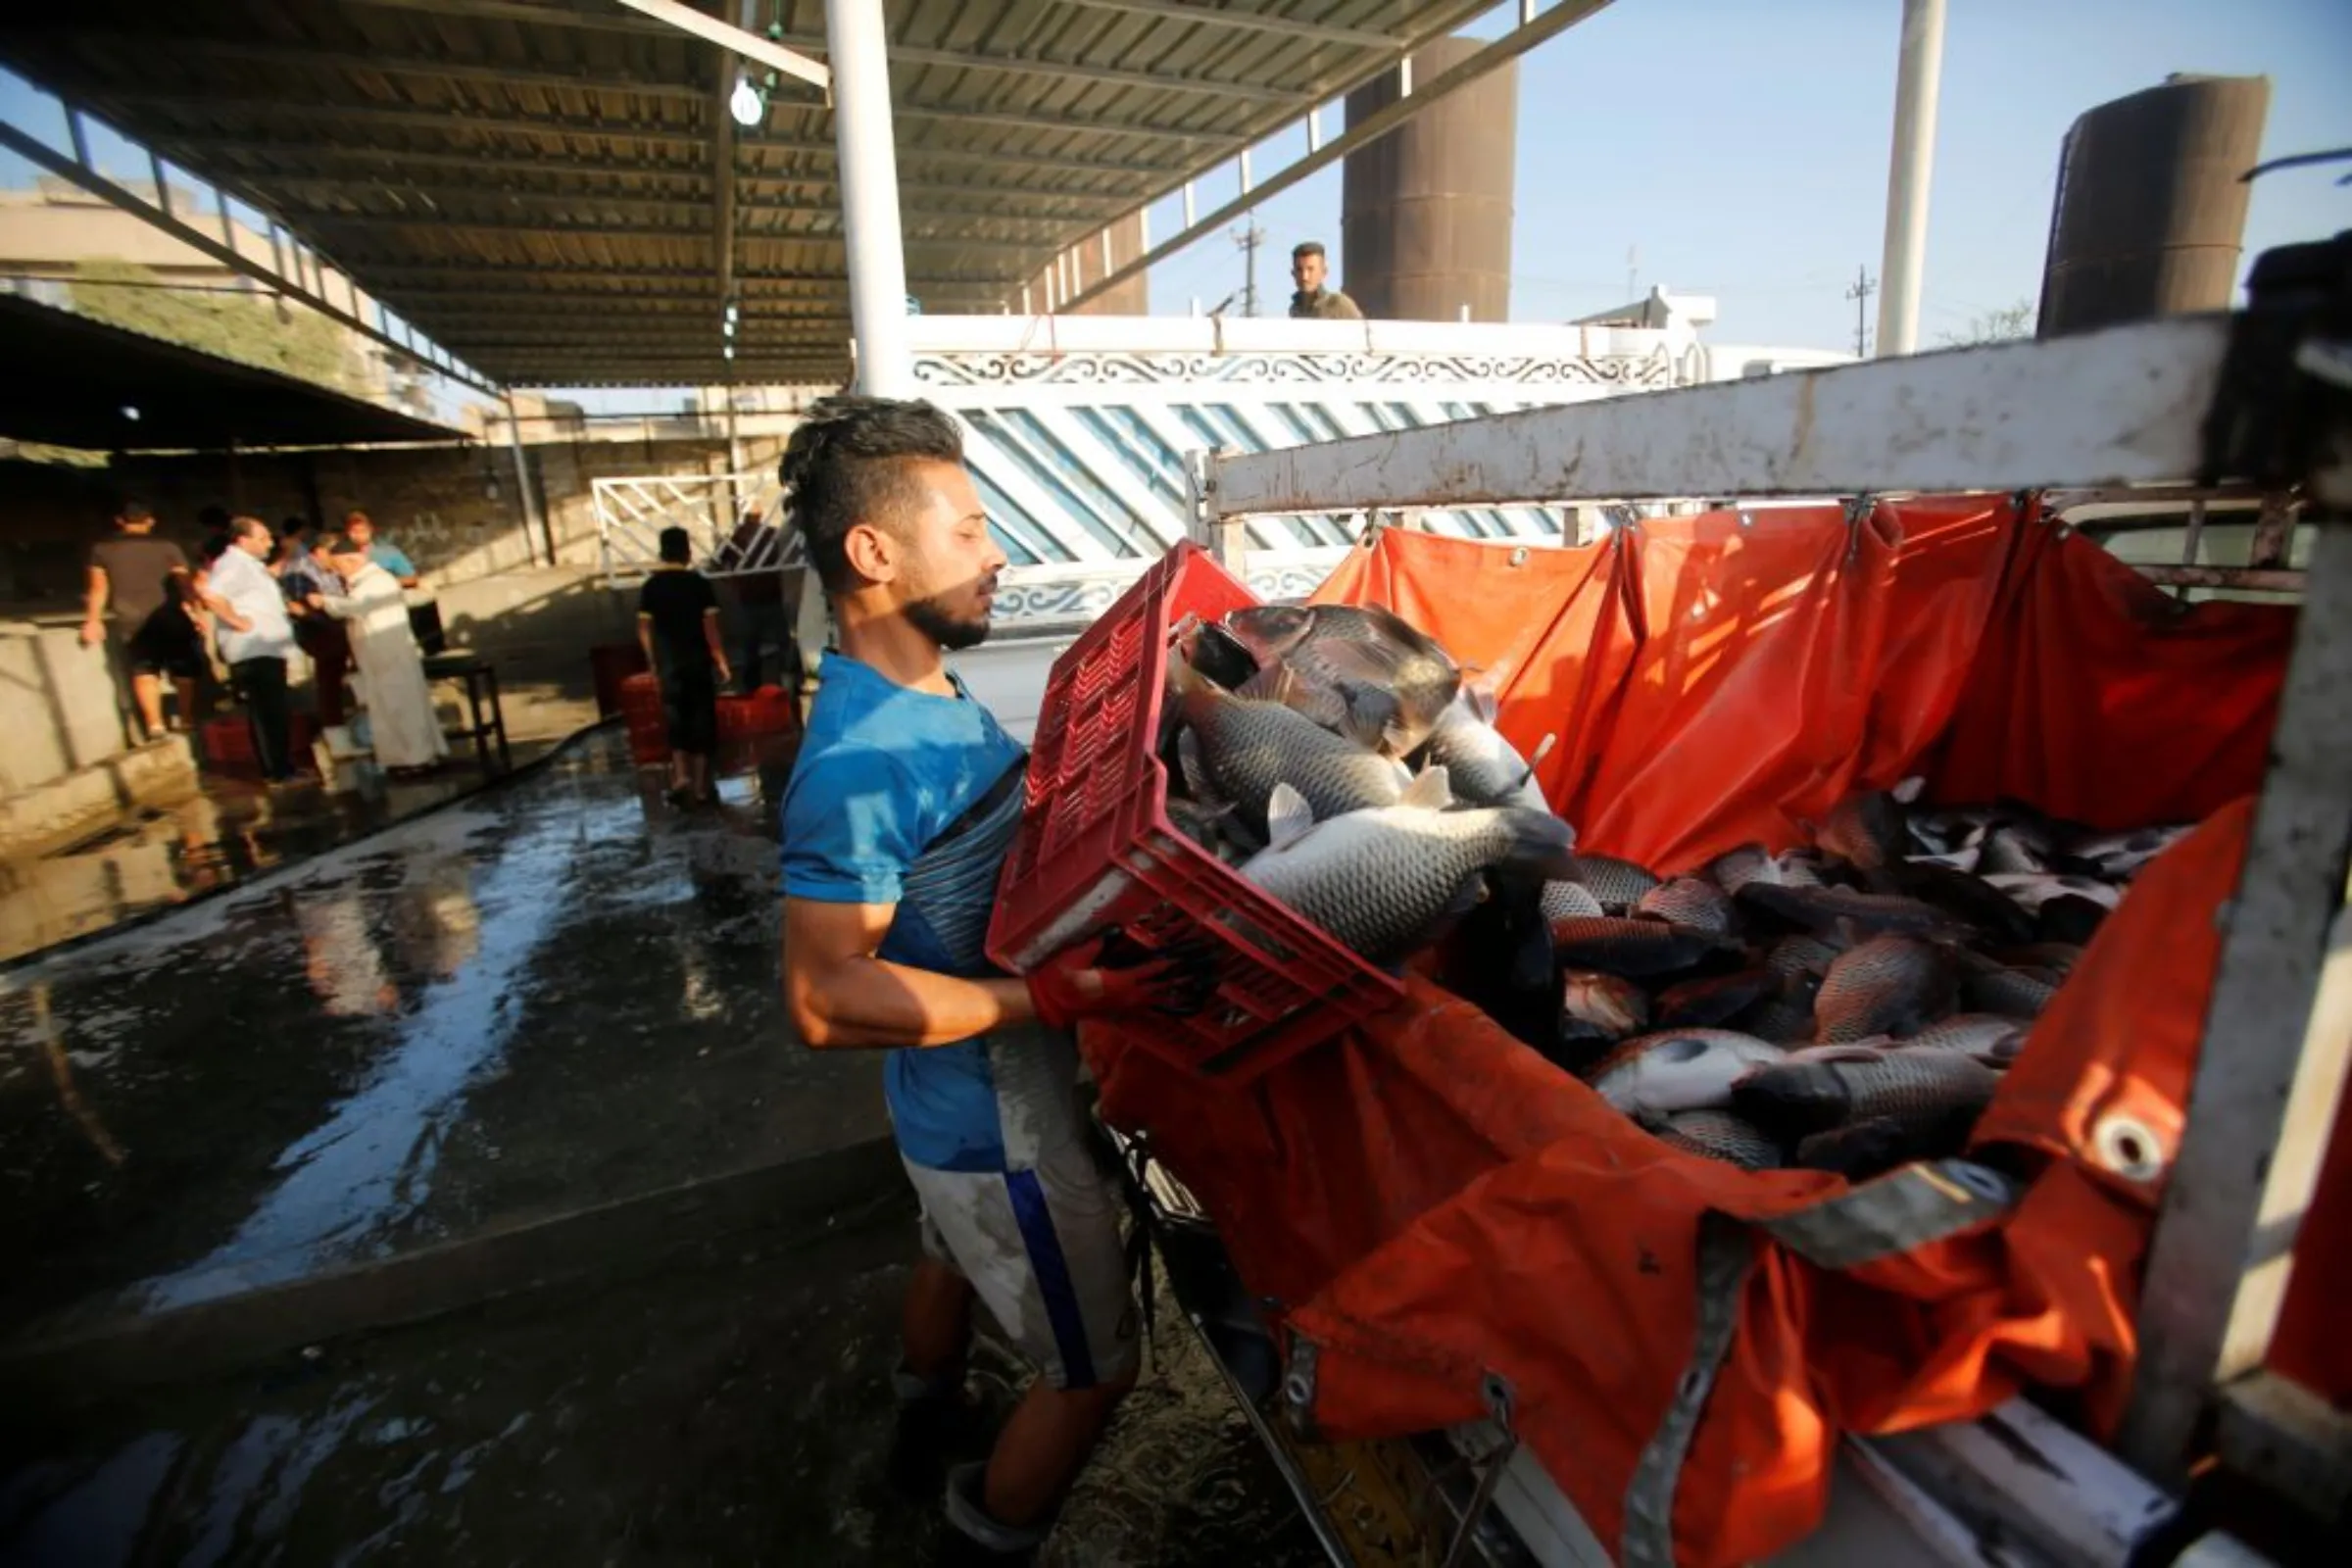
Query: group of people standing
242, 608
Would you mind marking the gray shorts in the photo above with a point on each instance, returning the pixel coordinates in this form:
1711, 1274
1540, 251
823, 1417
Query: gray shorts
1042, 1247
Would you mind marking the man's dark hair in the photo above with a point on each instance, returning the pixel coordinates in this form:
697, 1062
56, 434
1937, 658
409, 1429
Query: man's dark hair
245, 527
1312, 247
132, 509
294, 527
678, 546
848, 464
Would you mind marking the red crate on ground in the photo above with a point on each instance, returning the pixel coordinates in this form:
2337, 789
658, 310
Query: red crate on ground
1095, 848
641, 712
770, 710
227, 744
609, 664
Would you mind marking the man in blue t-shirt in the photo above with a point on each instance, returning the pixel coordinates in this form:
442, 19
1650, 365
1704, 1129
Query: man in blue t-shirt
360, 529
901, 805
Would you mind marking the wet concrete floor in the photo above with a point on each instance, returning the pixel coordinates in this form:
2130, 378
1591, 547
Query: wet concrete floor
228, 832
553, 996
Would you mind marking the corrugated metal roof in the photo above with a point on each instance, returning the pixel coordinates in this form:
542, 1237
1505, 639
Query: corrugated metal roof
81, 382
535, 183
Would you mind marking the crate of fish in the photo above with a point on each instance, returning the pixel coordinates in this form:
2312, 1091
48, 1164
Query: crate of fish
1231, 781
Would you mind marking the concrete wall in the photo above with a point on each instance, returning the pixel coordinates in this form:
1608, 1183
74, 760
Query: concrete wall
57, 704
454, 508
537, 625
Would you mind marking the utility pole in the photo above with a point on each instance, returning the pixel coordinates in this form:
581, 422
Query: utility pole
1864, 287
1249, 239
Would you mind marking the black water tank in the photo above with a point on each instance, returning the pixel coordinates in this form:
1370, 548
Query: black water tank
1426, 210
2150, 211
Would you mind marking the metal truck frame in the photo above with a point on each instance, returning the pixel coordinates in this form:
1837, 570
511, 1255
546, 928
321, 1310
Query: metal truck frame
2158, 413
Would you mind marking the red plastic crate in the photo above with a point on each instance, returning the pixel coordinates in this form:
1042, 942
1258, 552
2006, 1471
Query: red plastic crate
1095, 848
609, 664
770, 710
742, 720
648, 726
227, 744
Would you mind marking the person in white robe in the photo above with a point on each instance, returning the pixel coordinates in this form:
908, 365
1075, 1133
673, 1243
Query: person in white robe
401, 722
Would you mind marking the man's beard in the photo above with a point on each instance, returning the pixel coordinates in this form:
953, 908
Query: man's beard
932, 618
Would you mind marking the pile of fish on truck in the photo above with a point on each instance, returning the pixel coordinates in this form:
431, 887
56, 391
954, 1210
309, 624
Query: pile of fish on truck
1848, 1006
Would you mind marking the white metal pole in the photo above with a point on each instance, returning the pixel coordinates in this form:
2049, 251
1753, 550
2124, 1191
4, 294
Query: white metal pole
856, 48
532, 521
1919, 76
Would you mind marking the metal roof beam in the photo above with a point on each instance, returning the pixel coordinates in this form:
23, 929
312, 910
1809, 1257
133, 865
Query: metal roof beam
392, 274
568, 17
493, 203
737, 40
723, 178
162, 219
312, 162
1099, 76
448, 222
303, 58
592, 20
698, 323
298, 58
1244, 20
651, 135
417, 118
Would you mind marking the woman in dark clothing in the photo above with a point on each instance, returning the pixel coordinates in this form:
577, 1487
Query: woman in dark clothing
677, 625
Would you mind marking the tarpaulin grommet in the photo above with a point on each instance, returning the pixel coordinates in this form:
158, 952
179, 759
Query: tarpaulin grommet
2128, 1147
1500, 1397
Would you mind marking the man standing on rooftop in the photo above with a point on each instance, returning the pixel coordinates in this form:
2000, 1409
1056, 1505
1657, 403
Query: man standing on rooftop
1309, 267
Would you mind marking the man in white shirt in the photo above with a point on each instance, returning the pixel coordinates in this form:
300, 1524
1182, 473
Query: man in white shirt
256, 639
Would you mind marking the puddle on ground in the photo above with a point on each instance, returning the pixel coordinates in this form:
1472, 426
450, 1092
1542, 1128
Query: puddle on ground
738, 1414
555, 993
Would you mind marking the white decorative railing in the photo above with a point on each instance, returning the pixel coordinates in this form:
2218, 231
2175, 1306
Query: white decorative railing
1077, 430
732, 519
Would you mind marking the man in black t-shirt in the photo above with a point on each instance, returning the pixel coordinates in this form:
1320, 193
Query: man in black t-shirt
135, 603
677, 625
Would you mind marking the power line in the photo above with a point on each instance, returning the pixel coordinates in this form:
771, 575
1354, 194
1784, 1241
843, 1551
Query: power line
1863, 288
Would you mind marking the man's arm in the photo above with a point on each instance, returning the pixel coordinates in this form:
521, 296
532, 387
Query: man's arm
645, 638
839, 993
718, 655
93, 617
226, 610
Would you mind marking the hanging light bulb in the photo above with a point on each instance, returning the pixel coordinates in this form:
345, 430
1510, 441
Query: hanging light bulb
747, 104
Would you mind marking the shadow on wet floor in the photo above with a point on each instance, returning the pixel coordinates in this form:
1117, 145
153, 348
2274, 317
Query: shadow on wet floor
230, 832
553, 995
733, 1410
477, 1026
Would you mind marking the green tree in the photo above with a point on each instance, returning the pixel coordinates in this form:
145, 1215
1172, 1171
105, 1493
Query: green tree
1995, 326
236, 327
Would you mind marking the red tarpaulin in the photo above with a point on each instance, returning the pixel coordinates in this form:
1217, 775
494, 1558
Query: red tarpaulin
1431, 1201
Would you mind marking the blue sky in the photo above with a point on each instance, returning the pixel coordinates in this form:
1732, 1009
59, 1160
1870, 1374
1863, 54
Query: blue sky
1741, 147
